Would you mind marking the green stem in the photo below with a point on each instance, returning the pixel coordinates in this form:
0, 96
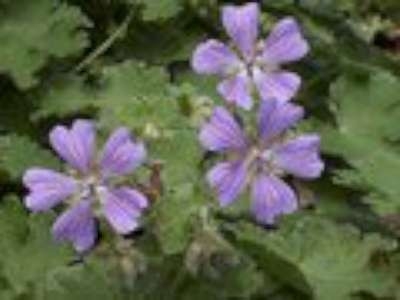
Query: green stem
106, 44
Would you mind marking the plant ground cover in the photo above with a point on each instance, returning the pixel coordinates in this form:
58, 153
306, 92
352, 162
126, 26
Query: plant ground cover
128, 63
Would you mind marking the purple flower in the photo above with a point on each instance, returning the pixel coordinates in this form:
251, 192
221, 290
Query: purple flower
250, 64
89, 189
261, 162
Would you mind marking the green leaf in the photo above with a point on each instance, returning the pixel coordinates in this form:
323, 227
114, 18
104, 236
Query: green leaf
175, 217
183, 196
135, 95
180, 163
366, 115
332, 6
129, 93
29, 255
63, 98
158, 10
319, 257
18, 153
35, 31
218, 268
203, 85
89, 280
210, 269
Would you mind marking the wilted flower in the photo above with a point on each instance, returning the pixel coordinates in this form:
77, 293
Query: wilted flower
250, 64
89, 188
261, 162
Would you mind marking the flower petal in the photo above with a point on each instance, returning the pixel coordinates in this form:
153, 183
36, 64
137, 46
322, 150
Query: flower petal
300, 157
241, 24
237, 89
214, 57
75, 146
222, 132
275, 117
271, 198
120, 154
285, 43
122, 207
134, 197
47, 188
78, 226
229, 180
279, 85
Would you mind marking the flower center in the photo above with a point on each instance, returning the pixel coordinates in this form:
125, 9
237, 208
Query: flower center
265, 66
260, 61
261, 159
253, 64
89, 186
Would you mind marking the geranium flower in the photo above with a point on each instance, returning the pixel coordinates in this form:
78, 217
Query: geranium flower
261, 162
89, 188
250, 64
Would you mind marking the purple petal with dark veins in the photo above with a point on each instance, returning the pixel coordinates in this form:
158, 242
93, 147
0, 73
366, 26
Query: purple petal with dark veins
77, 225
47, 188
301, 156
75, 146
214, 57
275, 117
121, 154
241, 23
271, 197
222, 132
285, 43
122, 207
237, 90
228, 179
280, 85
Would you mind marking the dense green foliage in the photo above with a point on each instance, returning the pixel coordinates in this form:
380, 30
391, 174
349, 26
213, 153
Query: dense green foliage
126, 62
